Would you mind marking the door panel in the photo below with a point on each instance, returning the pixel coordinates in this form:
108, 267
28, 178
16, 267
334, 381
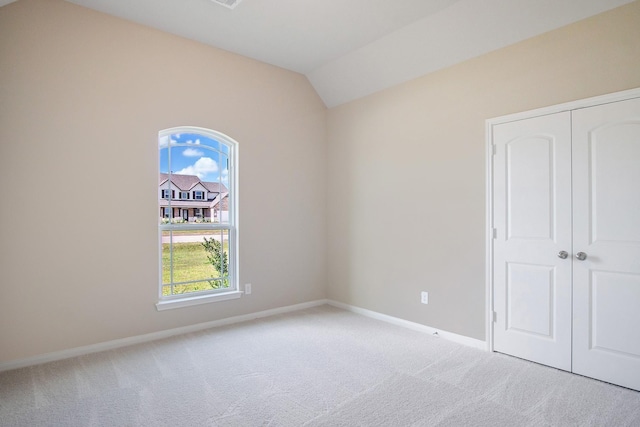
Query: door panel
614, 155
613, 298
532, 218
606, 209
530, 299
529, 175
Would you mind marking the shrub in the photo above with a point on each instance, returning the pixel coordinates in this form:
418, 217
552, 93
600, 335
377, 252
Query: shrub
218, 259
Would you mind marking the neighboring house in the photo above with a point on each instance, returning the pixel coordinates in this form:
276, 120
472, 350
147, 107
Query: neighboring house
192, 199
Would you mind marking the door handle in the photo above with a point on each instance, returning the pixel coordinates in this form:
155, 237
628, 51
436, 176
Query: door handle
563, 254
581, 256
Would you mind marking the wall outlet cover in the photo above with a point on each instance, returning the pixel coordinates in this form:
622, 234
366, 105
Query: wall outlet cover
424, 297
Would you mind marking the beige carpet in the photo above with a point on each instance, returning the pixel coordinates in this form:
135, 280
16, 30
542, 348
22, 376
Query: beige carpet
317, 367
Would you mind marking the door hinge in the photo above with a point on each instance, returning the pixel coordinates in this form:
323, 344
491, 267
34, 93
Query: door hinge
494, 149
494, 316
494, 233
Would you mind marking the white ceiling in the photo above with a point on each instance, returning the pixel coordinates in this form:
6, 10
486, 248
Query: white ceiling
352, 48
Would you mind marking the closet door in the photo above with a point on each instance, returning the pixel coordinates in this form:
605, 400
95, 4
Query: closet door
532, 226
606, 209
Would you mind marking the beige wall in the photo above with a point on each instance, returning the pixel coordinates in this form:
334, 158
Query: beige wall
83, 95
406, 168
82, 98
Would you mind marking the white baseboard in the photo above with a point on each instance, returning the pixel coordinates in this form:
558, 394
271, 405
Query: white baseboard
139, 339
110, 345
460, 339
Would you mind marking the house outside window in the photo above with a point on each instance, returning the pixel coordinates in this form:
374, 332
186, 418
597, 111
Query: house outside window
165, 194
199, 253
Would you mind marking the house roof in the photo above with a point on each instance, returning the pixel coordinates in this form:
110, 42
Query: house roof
187, 182
215, 187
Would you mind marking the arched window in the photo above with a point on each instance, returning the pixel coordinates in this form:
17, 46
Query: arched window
198, 216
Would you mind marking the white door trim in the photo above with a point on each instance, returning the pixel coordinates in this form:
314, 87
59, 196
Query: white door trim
489, 150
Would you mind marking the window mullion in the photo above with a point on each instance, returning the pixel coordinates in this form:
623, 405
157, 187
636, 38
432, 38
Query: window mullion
171, 260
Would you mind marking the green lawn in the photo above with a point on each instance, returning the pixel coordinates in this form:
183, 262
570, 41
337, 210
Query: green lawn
189, 263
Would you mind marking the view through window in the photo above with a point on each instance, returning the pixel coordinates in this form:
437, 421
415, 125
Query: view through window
196, 211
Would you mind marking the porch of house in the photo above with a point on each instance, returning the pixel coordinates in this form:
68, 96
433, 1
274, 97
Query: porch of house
191, 213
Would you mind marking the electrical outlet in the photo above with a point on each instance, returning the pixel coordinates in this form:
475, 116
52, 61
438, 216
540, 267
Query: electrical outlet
424, 297
247, 288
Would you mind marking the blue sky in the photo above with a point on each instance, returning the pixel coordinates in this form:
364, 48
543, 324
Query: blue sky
193, 154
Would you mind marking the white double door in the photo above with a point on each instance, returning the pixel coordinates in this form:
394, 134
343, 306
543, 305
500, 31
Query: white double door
566, 247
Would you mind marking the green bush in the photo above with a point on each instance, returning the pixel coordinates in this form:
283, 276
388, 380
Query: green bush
218, 259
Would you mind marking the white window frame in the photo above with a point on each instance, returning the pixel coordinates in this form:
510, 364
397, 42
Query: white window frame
198, 193
166, 193
233, 291
184, 195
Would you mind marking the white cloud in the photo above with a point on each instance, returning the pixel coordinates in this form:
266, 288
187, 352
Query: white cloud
164, 142
202, 167
224, 177
196, 142
192, 152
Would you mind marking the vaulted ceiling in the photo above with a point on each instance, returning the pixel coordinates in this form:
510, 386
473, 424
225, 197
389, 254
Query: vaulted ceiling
352, 48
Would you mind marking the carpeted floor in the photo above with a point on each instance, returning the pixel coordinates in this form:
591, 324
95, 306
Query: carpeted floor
316, 367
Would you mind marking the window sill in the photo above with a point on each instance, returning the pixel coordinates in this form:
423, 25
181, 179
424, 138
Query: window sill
196, 300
